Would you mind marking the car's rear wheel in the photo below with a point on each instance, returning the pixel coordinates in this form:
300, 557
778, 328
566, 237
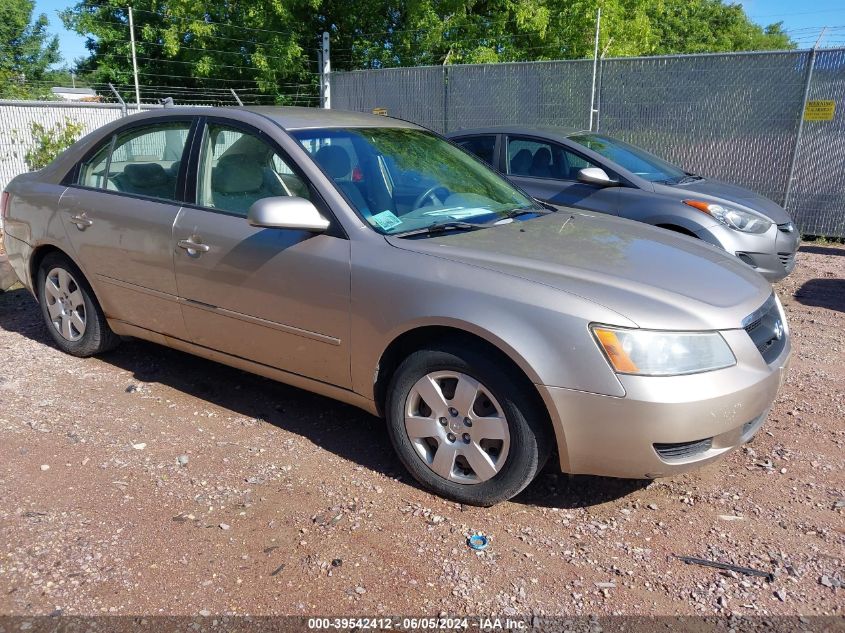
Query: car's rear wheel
466, 426
73, 317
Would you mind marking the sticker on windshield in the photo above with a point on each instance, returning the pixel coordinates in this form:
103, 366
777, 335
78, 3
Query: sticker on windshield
386, 220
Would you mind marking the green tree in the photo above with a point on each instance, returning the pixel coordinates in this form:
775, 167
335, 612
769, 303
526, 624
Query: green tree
26, 48
270, 48
252, 45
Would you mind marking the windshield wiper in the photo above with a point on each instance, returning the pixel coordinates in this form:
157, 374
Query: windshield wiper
688, 178
515, 213
445, 227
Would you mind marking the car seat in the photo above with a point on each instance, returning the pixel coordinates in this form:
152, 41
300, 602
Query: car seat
237, 182
146, 179
336, 163
521, 163
541, 164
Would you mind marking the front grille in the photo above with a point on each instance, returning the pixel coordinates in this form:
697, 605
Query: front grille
786, 259
683, 450
767, 330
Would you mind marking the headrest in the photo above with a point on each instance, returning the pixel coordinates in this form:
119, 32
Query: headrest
542, 158
237, 174
145, 174
521, 160
334, 160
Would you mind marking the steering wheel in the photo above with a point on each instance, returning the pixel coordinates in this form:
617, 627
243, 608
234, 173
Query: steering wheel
428, 194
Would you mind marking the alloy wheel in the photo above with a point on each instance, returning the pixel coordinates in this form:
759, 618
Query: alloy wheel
457, 427
65, 304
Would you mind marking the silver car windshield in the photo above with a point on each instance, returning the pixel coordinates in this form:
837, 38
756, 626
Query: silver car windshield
405, 180
634, 159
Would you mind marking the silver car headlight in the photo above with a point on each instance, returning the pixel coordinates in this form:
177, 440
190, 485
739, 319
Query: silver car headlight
739, 219
654, 353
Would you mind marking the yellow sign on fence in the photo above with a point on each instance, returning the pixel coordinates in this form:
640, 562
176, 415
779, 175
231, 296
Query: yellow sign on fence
821, 110
381, 111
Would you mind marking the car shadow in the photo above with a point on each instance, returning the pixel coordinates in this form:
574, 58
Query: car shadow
822, 293
554, 489
342, 429
821, 250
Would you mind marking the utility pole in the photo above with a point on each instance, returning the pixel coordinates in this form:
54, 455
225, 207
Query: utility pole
595, 67
134, 61
325, 71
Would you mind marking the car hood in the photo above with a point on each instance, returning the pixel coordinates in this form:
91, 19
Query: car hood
725, 193
653, 277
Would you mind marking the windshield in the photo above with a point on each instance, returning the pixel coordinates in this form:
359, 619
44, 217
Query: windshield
402, 180
634, 159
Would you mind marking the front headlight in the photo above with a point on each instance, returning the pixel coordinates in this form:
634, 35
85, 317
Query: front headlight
739, 219
653, 353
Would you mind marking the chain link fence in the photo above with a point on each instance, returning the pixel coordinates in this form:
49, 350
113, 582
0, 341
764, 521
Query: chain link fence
733, 117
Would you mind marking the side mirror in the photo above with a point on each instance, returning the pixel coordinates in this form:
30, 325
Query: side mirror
596, 176
287, 212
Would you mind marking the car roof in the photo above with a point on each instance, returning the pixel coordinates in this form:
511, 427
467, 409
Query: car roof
546, 131
295, 118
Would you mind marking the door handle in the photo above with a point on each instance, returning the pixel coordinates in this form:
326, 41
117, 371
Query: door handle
81, 221
193, 247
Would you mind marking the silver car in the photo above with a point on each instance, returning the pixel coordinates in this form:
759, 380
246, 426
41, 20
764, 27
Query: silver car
372, 261
599, 173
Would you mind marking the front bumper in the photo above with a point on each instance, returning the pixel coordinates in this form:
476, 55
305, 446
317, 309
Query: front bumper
771, 254
692, 419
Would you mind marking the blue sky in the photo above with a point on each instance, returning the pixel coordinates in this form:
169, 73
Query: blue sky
803, 20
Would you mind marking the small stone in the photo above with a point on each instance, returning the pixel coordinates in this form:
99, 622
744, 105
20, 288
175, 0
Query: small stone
652, 506
839, 504
140, 446
780, 594
205, 613
131, 388
225, 526
723, 602
825, 581
360, 591
605, 585
45, 466
337, 562
182, 460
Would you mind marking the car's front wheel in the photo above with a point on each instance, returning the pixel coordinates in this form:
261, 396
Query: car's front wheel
465, 425
73, 317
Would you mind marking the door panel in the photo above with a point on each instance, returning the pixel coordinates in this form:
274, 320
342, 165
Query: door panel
127, 253
274, 296
119, 218
548, 171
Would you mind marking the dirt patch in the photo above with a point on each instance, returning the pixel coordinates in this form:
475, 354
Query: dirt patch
148, 481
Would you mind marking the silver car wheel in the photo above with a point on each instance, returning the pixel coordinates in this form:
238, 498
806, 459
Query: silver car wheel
65, 304
457, 427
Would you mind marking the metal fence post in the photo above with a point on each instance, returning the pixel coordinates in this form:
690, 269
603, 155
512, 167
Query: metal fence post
325, 71
120, 100
445, 99
595, 63
796, 149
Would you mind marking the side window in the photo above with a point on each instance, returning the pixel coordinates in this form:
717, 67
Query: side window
145, 161
92, 173
237, 168
528, 157
481, 146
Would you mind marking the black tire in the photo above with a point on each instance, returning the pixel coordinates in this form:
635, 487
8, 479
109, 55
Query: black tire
527, 421
97, 336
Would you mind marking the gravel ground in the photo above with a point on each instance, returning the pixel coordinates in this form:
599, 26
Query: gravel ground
151, 482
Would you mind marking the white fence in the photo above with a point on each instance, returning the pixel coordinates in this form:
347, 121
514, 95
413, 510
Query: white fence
16, 117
